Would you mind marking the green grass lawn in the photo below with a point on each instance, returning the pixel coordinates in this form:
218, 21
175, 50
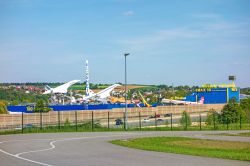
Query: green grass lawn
190, 146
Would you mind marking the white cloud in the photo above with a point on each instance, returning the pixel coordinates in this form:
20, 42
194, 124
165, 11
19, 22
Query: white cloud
161, 36
219, 31
128, 13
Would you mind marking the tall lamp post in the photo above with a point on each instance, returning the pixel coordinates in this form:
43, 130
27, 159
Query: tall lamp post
126, 113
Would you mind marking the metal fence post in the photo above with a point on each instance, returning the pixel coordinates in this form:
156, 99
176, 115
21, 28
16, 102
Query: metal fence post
22, 121
59, 120
227, 123
41, 121
155, 122
240, 122
186, 121
92, 121
76, 119
124, 120
171, 122
214, 120
108, 121
140, 120
200, 121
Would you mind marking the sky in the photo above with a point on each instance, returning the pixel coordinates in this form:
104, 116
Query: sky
170, 42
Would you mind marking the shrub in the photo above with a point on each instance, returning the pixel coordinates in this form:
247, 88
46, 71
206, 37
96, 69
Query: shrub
3, 108
41, 106
14, 102
213, 117
185, 119
232, 112
67, 123
245, 105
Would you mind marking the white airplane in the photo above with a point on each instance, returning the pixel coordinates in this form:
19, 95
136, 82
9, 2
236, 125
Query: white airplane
201, 101
62, 89
103, 94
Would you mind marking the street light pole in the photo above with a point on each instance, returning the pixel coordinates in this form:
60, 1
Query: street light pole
126, 113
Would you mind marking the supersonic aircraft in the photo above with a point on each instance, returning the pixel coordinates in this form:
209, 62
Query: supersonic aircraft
62, 89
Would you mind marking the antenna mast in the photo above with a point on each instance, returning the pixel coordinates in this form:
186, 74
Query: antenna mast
87, 78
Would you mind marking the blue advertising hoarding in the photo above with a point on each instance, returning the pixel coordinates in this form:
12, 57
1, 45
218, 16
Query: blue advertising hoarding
215, 95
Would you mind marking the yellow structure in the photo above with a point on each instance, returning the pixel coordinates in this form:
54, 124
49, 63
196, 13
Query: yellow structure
143, 100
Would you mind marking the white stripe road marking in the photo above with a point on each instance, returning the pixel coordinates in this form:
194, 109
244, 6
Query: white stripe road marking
67, 139
41, 150
53, 147
24, 140
32, 161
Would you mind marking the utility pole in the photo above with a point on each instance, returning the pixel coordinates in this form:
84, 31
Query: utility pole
126, 95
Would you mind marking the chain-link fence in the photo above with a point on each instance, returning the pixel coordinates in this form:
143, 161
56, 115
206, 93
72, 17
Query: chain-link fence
106, 120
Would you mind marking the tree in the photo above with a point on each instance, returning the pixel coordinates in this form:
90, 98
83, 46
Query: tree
213, 117
245, 105
14, 102
232, 112
3, 108
40, 106
185, 119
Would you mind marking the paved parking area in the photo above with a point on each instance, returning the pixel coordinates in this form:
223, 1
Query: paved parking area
93, 149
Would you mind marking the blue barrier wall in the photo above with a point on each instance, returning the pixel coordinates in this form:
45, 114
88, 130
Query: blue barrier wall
30, 109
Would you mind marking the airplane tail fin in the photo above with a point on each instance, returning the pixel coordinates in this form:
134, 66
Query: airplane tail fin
48, 90
201, 101
47, 87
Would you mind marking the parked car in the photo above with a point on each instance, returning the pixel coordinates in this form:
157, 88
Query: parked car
159, 119
146, 120
118, 122
26, 126
155, 116
167, 115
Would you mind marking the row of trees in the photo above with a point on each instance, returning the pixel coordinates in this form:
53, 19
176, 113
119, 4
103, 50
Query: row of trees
232, 112
163, 91
43, 84
245, 91
13, 97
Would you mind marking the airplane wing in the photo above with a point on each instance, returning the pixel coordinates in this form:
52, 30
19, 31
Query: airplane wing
102, 94
60, 89
106, 92
166, 101
173, 101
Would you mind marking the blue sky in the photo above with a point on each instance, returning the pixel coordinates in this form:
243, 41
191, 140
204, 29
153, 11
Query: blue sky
181, 42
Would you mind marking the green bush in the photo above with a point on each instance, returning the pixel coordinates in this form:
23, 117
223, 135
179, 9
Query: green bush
245, 105
213, 117
88, 125
185, 119
14, 102
41, 106
67, 123
3, 107
232, 112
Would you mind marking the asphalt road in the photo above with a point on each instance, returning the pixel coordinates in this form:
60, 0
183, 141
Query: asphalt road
93, 149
